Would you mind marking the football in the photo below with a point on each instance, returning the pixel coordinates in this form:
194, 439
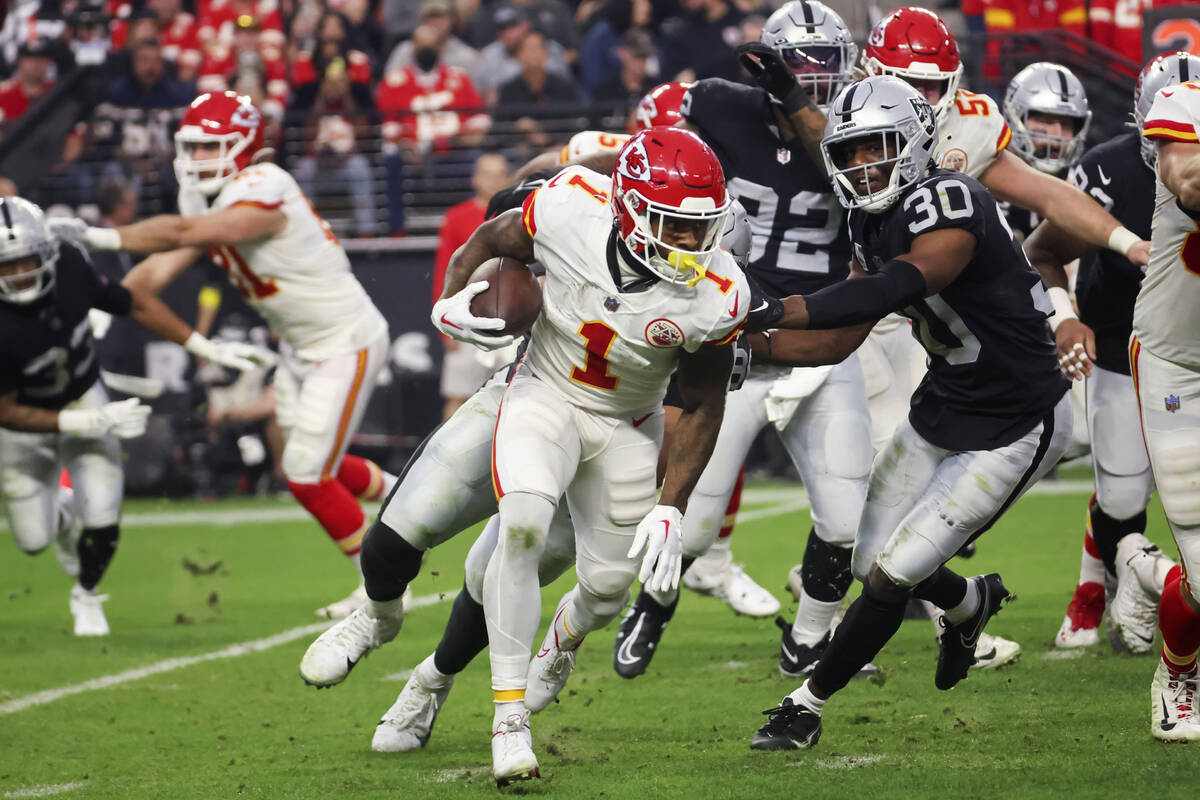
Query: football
513, 294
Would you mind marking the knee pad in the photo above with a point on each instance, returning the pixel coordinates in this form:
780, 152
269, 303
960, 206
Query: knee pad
606, 593
525, 520
388, 562
1108, 530
1123, 496
825, 570
1178, 468
302, 462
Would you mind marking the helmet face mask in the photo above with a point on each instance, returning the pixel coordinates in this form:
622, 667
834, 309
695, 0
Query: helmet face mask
913, 44
226, 120
815, 45
878, 142
1039, 93
669, 203
1165, 70
28, 253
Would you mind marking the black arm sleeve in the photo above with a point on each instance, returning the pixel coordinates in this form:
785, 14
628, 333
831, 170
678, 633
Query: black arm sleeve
852, 302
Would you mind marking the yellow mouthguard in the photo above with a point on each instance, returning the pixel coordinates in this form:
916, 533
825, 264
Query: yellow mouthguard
685, 261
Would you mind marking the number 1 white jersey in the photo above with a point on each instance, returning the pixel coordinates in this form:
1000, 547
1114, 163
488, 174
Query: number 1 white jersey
605, 350
1166, 317
972, 134
300, 278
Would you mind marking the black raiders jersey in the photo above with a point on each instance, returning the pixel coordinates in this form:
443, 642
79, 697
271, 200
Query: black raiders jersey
48, 357
993, 367
1115, 175
798, 240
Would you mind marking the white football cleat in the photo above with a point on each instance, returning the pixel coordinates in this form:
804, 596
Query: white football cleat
408, 724
1173, 715
346, 606
994, 652
715, 574
88, 610
512, 750
1134, 610
66, 538
548, 673
330, 658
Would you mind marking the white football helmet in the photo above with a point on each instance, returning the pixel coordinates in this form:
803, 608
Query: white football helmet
1047, 89
815, 44
889, 108
736, 236
1165, 70
25, 234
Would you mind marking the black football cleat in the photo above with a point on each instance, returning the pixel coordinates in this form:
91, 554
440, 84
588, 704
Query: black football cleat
798, 660
788, 727
639, 634
956, 651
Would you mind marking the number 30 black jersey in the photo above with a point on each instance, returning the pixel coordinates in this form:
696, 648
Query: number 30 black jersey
798, 239
48, 357
993, 368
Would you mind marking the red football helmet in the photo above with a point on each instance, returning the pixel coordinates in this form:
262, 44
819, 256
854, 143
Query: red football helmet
661, 104
669, 202
913, 43
227, 119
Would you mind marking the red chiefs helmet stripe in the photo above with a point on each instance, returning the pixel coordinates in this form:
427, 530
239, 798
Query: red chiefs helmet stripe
1169, 129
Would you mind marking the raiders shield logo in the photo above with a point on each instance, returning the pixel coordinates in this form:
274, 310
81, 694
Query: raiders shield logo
664, 334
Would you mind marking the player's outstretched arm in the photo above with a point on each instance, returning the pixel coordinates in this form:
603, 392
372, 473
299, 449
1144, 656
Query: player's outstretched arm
936, 259
123, 418
157, 271
229, 226
1049, 248
1179, 168
19, 417
154, 315
807, 348
1011, 179
767, 69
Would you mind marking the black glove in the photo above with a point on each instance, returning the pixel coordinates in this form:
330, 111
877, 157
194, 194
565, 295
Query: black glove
767, 69
764, 311
741, 362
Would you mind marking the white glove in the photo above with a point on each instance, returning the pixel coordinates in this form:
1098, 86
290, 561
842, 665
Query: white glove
73, 229
661, 534
235, 355
125, 419
452, 316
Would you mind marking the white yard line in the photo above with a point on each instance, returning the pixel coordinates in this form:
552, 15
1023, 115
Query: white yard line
171, 664
782, 501
45, 790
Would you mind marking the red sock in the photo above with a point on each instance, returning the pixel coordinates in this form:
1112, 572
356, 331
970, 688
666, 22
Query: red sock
336, 510
1180, 625
64, 480
735, 502
362, 478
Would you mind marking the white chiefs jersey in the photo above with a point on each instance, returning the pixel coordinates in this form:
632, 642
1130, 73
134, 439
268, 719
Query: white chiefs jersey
299, 279
1166, 317
586, 143
605, 350
972, 134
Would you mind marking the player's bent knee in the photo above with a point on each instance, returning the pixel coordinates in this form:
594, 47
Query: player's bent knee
1123, 497
525, 519
884, 586
301, 462
848, 450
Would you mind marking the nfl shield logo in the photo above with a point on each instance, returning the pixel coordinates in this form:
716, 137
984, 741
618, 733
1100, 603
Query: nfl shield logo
611, 303
1171, 401
783, 155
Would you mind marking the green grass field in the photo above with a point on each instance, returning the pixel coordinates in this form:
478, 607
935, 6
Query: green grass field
243, 723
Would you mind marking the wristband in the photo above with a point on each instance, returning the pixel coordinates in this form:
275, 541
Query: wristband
200, 347
77, 421
103, 239
1063, 310
1121, 239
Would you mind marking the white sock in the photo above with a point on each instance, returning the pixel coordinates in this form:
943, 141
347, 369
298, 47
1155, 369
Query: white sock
356, 560
813, 619
430, 676
380, 609
968, 606
389, 481
505, 709
804, 697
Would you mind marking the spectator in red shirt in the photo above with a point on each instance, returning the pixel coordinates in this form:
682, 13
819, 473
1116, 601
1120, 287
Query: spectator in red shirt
1025, 16
177, 30
432, 118
218, 23
462, 371
1117, 24
248, 47
30, 81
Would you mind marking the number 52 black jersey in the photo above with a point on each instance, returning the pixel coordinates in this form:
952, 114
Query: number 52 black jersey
993, 367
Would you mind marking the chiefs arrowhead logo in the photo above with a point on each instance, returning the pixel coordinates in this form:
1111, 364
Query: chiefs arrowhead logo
245, 116
663, 333
632, 161
876, 39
